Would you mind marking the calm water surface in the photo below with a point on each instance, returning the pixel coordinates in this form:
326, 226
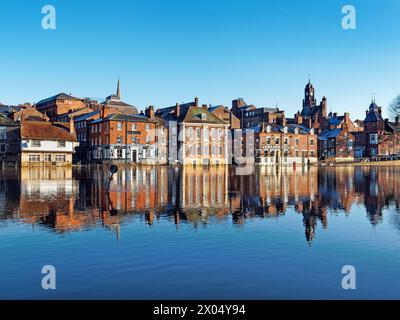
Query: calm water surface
165, 233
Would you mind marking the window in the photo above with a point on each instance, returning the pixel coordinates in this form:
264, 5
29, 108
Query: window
135, 140
286, 141
34, 157
297, 142
148, 138
373, 138
350, 144
36, 143
60, 157
268, 140
198, 132
119, 126
312, 142
3, 133
147, 126
276, 140
47, 157
3, 147
134, 127
220, 151
199, 150
119, 139
205, 134
61, 144
119, 153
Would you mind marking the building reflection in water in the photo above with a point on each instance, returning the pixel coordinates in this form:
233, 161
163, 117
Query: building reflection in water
66, 199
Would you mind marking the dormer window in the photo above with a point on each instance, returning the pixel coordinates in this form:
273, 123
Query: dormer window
268, 128
203, 116
285, 130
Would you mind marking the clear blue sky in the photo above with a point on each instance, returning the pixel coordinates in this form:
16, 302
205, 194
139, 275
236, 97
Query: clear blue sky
168, 51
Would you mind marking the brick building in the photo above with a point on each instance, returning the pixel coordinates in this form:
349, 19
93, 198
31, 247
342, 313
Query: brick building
127, 138
291, 144
59, 104
380, 137
83, 152
336, 145
311, 110
250, 116
226, 115
9, 140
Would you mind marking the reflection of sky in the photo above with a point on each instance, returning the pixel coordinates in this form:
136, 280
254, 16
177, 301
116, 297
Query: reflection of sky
211, 253
261, 259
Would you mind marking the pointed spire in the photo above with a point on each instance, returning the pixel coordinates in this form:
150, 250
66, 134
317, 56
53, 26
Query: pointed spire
118, 90
309, 78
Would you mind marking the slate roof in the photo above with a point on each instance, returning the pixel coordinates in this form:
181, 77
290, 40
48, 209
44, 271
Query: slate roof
189, 113
59, 96
329, 134
125, 117
278, 128
201, 115
373, 114
86, 116
121, 106
5, 121
42, 130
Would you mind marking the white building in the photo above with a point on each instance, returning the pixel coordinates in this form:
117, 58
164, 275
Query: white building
47, 143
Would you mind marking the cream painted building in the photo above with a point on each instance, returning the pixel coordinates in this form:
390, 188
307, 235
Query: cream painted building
46, 143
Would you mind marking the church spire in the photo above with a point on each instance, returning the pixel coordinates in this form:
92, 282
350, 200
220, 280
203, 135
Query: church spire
118, 90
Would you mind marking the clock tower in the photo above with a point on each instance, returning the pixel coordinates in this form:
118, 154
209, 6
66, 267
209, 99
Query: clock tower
309, 96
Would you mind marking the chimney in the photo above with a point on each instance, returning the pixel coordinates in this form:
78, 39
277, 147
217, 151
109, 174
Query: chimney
298, 118
324, 107
397, 120
347, 118
380, 110
196, 102
335, 115
150, 112
205, 107
72, 127
177, 110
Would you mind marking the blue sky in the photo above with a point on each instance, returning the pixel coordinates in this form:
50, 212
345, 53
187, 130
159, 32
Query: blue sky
168, 51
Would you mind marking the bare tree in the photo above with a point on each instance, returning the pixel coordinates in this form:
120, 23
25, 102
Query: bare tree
394, 107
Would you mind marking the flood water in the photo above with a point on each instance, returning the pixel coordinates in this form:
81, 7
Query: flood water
170, 233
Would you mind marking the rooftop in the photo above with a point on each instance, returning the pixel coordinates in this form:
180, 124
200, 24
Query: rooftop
43, 130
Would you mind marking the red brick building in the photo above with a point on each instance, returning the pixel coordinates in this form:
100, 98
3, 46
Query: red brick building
59, 104
127, 138
288, 145
381, 137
